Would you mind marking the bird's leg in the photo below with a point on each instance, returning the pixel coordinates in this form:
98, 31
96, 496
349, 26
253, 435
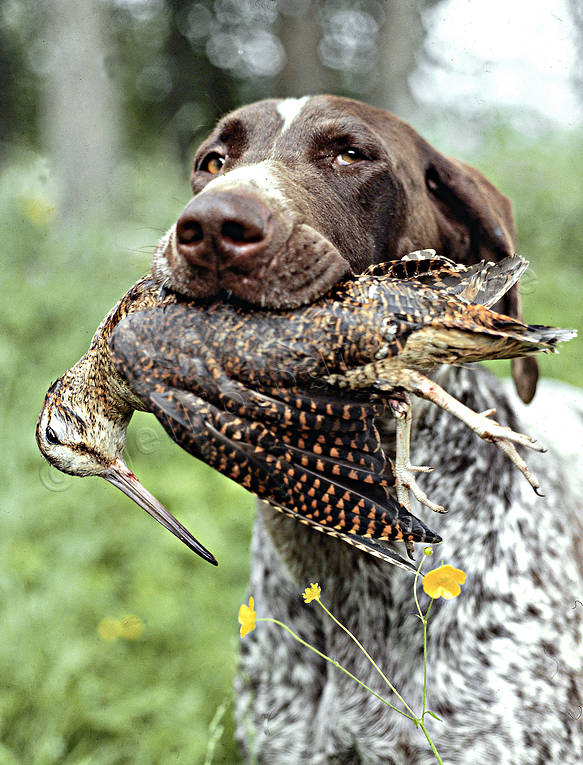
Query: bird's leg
403, 470
488, 429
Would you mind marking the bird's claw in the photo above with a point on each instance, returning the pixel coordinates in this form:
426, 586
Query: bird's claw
510, 451
410, 547
489, 430
403, 470
406, 482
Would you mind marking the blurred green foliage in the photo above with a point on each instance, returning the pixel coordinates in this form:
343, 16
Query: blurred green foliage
541, 173
75, 551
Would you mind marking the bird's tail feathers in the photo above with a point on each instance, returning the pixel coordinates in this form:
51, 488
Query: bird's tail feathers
487, 282
509, 337
549, 337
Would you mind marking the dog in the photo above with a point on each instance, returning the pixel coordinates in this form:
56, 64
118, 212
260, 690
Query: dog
289, 197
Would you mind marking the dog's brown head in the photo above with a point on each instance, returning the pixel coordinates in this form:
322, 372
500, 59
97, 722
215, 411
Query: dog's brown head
291, 195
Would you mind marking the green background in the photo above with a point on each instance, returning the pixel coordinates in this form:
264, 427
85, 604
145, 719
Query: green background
74, 551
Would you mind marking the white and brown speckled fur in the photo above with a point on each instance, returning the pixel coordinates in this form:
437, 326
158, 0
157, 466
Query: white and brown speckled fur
505, 658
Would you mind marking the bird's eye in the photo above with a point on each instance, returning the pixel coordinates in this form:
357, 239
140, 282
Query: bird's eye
212, 163
349, 157
51, 436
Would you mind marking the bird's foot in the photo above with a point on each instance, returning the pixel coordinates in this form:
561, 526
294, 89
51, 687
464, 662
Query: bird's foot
405, 482
481, 424
410, 547
403, 470
503, 437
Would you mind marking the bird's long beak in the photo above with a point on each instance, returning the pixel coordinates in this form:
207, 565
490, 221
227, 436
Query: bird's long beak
122, 477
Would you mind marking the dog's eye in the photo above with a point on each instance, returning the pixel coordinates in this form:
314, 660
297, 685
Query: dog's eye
212, 163
349, 157
51, 436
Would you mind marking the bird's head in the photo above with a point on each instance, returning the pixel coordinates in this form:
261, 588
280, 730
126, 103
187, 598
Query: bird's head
81, 430
76, 432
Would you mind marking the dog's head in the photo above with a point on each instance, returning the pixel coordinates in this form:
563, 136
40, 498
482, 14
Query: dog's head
291, 195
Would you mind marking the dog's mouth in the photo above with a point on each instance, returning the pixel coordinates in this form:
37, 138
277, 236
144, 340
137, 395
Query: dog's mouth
294, 272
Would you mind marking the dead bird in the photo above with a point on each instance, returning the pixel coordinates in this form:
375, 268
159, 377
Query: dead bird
261, 395
375, 332
313, 457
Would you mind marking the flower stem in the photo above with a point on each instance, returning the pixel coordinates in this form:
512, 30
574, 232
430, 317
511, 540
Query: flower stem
312, 593
419, 611
411, 717
431, 744
369, 657
424, 618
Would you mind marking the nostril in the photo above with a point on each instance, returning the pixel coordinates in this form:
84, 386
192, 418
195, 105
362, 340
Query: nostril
189, 232
238, 233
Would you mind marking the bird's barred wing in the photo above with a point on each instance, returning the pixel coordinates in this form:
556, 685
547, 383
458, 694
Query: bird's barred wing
440, 314
416, 265
254, 457
312, 456
483, 283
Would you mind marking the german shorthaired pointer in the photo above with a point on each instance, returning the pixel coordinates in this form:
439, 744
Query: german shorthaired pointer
290, 195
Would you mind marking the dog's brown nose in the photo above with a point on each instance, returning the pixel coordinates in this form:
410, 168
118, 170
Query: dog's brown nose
235, 227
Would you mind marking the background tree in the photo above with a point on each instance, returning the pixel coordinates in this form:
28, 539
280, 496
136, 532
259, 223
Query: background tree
576, 10
80, 116
141, 73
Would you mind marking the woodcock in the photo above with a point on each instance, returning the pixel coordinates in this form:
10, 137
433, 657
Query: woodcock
285, 402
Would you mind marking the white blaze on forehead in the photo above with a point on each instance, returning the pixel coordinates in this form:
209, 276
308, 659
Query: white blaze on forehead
289, 109
261, 176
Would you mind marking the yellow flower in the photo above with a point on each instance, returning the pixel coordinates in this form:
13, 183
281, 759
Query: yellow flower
109, 629
247, 617
444, 582
312, 592
39, 211
131, 627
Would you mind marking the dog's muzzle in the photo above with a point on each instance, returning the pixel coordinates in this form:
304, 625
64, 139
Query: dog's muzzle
232, 241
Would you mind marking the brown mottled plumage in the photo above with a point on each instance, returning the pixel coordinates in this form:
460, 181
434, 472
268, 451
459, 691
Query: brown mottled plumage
82, 427
261, 395
374, 332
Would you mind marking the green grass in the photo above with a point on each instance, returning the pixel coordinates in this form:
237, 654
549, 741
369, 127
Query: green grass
74, 551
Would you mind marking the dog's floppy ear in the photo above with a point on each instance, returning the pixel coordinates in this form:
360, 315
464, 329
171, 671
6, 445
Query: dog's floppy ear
475, 223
